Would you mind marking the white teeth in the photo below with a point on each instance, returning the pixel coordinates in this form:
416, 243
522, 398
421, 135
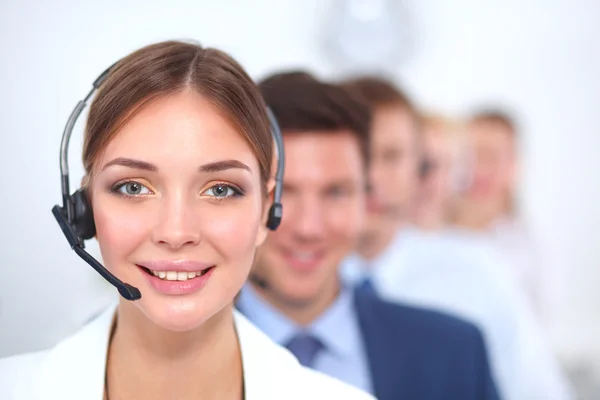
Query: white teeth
171, 275
177, 275
182, 276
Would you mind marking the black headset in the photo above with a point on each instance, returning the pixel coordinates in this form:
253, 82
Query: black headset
76, 218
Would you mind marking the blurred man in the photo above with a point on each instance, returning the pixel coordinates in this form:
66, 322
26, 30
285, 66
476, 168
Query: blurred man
440, 172
296, 295
451, 272
488, 207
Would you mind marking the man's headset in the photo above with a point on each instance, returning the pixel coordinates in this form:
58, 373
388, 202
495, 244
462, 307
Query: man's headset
76, 218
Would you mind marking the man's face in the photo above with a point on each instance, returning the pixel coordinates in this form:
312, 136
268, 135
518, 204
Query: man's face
323, 212
494, 161
393, 171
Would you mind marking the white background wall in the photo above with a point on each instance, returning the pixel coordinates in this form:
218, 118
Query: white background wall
540, 56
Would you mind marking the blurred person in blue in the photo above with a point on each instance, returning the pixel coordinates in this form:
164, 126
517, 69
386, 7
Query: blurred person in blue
448, 270
488, 206
295, 293
177, 154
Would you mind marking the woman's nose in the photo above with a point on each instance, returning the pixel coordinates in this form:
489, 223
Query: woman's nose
177, 224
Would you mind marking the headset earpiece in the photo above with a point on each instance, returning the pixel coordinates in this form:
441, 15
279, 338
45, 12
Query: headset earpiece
275, 214
75, 217
276, 210
83, 223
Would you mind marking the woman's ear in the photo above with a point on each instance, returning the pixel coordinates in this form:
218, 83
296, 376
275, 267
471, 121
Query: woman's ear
263, 230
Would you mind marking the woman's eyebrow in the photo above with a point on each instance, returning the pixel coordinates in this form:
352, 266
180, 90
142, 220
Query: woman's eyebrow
131, 163
218, 166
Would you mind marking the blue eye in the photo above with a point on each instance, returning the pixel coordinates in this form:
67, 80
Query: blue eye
222, 191
131, 188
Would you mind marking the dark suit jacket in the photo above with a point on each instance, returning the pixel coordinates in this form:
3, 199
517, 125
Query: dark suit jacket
415, 353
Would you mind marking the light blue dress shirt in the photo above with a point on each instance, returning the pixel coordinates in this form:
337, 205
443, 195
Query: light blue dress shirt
343, 357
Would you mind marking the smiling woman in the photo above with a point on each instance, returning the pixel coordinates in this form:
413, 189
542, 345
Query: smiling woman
169, 188
177, 154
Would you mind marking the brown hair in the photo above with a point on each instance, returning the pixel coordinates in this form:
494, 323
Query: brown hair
169, 67
303, 103
379, 92
498, 117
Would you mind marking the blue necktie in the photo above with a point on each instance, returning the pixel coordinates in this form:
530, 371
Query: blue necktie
367, 286
305, 347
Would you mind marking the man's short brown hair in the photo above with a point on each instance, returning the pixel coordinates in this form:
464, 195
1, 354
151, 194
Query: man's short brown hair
301, 102
379, 92
497, 116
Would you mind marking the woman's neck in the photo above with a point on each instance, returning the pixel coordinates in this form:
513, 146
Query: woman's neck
147, 362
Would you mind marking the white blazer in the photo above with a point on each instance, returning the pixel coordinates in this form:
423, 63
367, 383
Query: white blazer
74, 369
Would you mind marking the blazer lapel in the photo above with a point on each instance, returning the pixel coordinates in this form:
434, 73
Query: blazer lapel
270, 371
75, 368
388, 371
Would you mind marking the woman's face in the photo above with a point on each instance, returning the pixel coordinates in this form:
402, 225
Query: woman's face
435, 186
178, 206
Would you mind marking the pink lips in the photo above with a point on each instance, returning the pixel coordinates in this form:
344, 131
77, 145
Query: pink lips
178, 265
177, 287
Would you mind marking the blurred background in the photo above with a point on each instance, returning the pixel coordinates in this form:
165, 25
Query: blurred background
538, 59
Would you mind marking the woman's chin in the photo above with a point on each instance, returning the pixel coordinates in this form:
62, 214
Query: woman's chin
177, 314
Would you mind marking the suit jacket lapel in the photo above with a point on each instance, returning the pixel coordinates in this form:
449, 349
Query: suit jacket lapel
389, 373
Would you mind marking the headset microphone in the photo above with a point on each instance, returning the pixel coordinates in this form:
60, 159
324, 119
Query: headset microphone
76, 218
127, 291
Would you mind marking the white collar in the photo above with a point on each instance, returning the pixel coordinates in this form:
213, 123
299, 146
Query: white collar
75, 368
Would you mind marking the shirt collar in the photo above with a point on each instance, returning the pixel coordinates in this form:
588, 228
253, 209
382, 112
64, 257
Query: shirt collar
262, 314
337, 327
